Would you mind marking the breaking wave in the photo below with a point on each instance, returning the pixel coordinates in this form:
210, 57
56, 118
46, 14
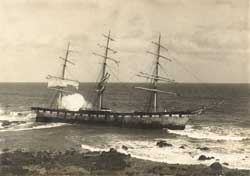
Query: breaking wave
213, 133
228, 145
148, 150
17, 116
21, 121
30, 126
93, 149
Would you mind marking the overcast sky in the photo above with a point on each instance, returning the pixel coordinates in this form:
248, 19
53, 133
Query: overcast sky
208, 38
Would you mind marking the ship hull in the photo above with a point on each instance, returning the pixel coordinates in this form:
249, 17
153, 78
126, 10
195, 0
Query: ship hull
171, 120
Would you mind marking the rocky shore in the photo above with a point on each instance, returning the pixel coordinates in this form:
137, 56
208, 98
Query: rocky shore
76, 163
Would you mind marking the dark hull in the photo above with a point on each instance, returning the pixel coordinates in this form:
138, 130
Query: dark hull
171, 120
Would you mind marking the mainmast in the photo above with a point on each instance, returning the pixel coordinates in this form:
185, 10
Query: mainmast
155, 80
104, 74
155, 76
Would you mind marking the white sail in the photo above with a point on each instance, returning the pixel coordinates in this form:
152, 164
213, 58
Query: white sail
55, 82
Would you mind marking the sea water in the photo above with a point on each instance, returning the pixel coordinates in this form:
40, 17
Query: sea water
224, 128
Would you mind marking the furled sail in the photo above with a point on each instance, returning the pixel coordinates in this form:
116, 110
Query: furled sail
55, 82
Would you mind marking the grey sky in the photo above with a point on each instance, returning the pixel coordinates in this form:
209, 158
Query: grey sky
209, 37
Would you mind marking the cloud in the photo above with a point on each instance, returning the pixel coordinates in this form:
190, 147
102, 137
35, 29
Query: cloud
44, 4
35, 32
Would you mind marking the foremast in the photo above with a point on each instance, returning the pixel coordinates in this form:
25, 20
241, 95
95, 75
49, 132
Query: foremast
155, 76
104, 74
60, 83
59, 101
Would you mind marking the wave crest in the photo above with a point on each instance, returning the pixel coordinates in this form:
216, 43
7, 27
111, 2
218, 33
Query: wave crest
212, 133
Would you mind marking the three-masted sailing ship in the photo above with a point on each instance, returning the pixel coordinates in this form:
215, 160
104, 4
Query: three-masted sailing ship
152, 118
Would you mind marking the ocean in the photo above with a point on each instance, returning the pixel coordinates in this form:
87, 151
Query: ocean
224, 128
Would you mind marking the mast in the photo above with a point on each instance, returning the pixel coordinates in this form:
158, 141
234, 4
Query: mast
65, 61
156, 72
58, 83
155, 76
60, 88
104, 74
104, 65
60, 91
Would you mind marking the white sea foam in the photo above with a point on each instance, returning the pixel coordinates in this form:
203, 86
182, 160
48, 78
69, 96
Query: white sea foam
235, 153
21, 121
148, 150
1, 111
93, 149
1, 125
30, 126
18, 116
212, 133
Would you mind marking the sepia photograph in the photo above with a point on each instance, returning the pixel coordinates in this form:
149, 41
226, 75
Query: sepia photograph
124, 88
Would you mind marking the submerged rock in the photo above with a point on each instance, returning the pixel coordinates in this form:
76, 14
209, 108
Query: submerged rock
203, 148
163, 144
6, 123
19, 114
203, 158
124, 147
182, 147
6, 149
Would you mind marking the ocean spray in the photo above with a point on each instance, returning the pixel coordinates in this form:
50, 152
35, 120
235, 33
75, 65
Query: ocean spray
74, 102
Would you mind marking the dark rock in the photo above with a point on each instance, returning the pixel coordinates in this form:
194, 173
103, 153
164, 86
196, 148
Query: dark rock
6, 150
182, 147
99, 163
226, 164
112, 160
124, 147
19, 170
112, 150
5, 160
203, 158
216, 167
6, 123
203, 148
163, 144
